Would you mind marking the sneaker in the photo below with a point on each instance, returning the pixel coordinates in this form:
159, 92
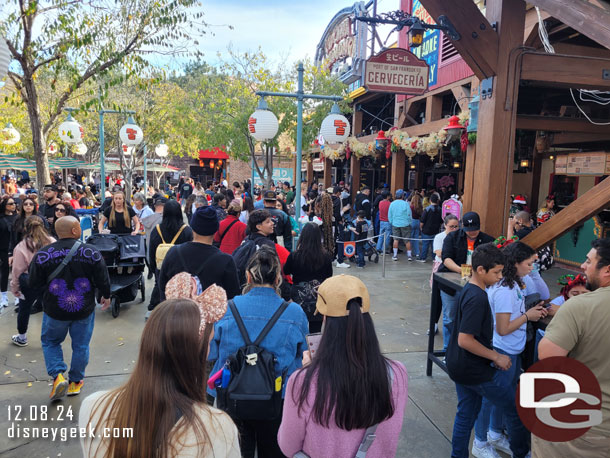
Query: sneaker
421, 260
500, 444
343, 265
360, 267
74, 388
394, 258
487, 451
19, 341
60, 386
410, 258
435, 330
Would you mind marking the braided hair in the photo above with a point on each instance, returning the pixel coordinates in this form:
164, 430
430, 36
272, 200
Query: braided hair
327, 223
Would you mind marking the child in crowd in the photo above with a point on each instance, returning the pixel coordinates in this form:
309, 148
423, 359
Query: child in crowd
507, 301
360, 228
475, 367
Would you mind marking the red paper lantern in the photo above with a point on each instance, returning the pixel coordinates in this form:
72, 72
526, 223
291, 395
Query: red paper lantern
212, 164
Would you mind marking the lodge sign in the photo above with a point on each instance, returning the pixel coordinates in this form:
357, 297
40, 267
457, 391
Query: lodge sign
397, 71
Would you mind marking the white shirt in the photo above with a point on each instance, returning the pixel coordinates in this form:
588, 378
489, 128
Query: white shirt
438, 244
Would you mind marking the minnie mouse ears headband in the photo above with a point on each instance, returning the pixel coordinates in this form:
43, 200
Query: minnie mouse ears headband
571, 280
212, 302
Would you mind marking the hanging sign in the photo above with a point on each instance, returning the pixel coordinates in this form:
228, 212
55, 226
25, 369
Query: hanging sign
318, 165
397, 71
349, 249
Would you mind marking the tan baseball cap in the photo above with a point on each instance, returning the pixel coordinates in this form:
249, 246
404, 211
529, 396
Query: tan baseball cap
335, 292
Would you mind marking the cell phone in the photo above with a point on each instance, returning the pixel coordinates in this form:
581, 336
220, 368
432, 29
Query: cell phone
313, 342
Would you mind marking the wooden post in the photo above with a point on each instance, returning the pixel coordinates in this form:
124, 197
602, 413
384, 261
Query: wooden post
397, 176
471, 153
310, 175
328, 173
354, 171
434, 108
489, 186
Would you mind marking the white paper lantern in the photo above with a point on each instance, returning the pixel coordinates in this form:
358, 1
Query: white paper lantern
52, 148
10, 135
162, 150
131, 134
335, 127
5, 58
80, 149
263, 124
129, 150
70, 131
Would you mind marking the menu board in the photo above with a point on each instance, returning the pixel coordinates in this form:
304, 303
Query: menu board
587, 164
561, 165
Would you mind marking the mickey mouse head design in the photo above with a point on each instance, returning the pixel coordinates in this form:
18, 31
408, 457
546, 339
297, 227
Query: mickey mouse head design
70, 300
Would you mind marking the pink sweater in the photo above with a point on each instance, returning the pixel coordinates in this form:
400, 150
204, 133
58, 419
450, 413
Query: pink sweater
21, 263
300, 432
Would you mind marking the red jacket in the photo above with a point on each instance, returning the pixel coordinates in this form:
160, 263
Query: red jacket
233, 238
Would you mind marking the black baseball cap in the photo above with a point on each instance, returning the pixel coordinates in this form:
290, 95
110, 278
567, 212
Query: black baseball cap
471, 221
160, 201
270, 195
52, 187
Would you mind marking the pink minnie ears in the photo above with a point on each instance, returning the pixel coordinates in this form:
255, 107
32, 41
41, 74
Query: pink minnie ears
212, 302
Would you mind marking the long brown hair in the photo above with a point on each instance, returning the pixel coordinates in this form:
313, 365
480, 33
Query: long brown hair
112, 218
35, 234
416, 203
168, 381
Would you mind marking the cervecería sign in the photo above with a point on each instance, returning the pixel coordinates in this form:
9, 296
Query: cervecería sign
397, 71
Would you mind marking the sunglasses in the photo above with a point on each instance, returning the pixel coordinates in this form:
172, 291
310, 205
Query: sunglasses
60, 210
453, 227
10, 203
29, 204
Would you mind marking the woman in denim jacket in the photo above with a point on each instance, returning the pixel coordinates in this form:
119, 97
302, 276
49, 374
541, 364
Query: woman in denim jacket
286, 340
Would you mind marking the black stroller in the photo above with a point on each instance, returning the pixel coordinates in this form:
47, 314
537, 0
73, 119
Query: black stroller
124, 256
370, 250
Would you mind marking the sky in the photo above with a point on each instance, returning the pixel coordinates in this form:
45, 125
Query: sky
285, 30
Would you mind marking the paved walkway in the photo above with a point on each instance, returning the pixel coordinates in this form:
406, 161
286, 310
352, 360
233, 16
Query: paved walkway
400, 308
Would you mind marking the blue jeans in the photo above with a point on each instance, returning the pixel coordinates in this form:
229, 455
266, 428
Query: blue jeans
426, 245
384, 228
469, 404
54, 333
377, 223
415, 234
360, 253
450, 304
491, 416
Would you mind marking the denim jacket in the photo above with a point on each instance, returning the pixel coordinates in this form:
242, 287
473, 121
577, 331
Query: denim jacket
286, 340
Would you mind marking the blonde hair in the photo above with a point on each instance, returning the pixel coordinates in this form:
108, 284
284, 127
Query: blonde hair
112, 218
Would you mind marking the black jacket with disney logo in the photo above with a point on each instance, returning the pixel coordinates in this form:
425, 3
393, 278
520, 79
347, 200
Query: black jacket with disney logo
71, 295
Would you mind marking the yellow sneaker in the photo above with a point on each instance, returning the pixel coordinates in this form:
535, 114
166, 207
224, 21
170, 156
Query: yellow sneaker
60, 386
74, 388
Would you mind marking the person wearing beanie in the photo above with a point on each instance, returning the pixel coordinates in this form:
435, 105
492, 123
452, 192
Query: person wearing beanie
200, 257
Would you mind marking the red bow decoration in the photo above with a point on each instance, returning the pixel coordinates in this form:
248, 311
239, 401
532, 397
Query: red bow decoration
502, 241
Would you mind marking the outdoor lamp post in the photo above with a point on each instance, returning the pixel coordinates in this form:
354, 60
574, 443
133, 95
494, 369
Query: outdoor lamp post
300, 96
416, 34
10, 135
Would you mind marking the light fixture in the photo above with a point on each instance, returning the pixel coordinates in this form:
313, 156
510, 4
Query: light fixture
456, 165
52, 148
412, 166
551, 157
383, 166
525, 163
263, 124
161, 149
454, 128
70, 131
416, 34
381, 140
219, 162
211, 164
80, 149
335, 127
10, 135
131, 134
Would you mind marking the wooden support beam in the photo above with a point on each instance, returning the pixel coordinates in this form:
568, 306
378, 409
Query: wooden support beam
576, 50
582, 16
328, 173
462, 96
565, 71
564, 138
490, 184
434, 108
479, 42
583, 208
555, 124
397, 177
471, 154
310, 174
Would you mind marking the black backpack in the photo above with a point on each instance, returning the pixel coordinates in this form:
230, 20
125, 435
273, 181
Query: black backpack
241, 256
254, 392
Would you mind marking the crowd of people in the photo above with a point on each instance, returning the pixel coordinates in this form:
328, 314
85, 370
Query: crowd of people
247, 297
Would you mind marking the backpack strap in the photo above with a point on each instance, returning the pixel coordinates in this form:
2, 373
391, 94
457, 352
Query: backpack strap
227, 230
175, 236
160, 235
240, 323
271, 323
369, 434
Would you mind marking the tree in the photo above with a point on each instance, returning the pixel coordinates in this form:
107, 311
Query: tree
86, 42
227, 98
